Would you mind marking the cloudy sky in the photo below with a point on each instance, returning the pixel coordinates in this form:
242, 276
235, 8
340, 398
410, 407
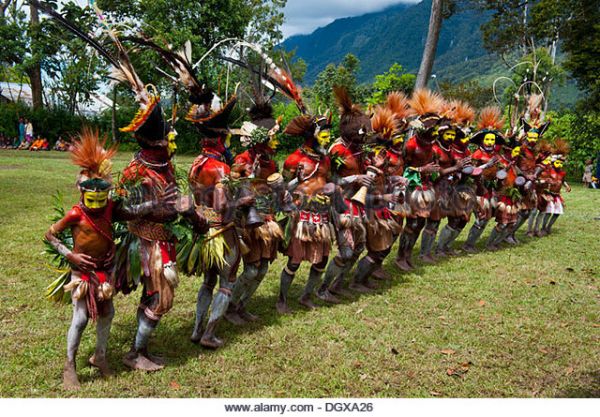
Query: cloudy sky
304, 16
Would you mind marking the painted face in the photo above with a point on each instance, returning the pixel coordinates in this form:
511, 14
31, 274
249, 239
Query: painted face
547, 161
324, 137
532, 137
95, 199
449, 135
171, 144
465, 140
516, 152
397, 140
273, 142
558, 164
489, 140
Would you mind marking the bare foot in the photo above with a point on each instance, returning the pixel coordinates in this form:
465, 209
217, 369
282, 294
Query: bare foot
247, 316
381, 274
102, 365
358, 287
234, 318
328, 297
282, 307
307, 302
70, 380
403, 265
428, 259
211, 341
342, 292
137, 361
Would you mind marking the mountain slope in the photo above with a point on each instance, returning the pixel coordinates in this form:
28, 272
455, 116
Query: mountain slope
396, 34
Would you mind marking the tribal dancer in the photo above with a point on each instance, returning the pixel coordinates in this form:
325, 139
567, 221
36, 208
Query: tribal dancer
510, 186
149, 244
489, 139
92, 255
397, 102
420, 165
462, 197
444, 182
309, 231
262, 234
533, 129
220, 254
385, 210
552, 179
350, 175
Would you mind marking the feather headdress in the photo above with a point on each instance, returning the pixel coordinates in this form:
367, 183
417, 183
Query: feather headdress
490, 118
148, 124
89, 153
533, 120
463, 114
384, 122
425, 107
397, 102
490, 121
561, 148
424, 102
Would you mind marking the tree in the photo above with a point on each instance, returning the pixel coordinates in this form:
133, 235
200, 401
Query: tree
343, 75
433, 35
393, 79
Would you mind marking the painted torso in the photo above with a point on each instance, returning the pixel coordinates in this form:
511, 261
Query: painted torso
316, 171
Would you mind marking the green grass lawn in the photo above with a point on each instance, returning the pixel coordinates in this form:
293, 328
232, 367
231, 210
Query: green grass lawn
521, 322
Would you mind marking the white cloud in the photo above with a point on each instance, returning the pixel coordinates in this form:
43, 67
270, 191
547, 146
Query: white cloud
304, 16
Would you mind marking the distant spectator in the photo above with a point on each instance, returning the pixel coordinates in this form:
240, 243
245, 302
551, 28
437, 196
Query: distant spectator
587, 173
28, 130
21, 132
40, 144
61, 145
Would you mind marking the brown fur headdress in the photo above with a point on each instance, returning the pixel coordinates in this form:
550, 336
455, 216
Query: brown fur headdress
354, 123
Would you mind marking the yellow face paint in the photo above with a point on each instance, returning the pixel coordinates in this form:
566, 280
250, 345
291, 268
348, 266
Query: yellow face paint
489, 140
464, 140
532, 137
228, 141
558, 164
547, 161
397, 140
171, 144
273, 142
95, 199
516, 152
449, 135
324, 137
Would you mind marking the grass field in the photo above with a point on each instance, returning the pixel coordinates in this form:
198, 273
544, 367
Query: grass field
521, 322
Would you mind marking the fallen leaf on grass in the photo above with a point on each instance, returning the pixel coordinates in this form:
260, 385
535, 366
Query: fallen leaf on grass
570, 370
394, 351
363, 377
174, 385
460, 370
448, 351
569, 269
360, 310
543, 350
435, 393
481, 303
596, 324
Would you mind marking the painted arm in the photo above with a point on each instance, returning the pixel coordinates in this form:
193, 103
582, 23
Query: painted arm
80, 260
